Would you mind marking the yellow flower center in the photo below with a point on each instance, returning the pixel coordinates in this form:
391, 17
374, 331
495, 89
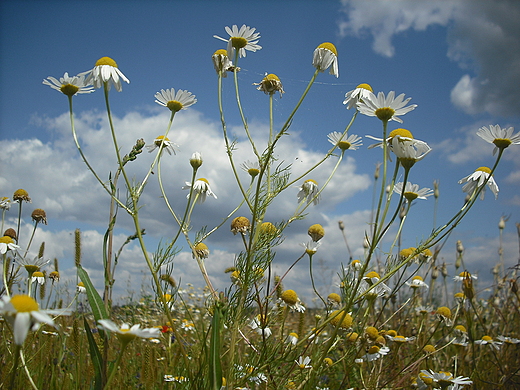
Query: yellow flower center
461, 328
329, 46
352, 337
344, 145
417, 277
158, 140
338, 316
69, 89
204, 180
271, 77
334, 297
406, 253
400, 133
238, 42
372, 332
316, 232
201, 247
21, 194
486, 338
502, 143
444, 311
290, 297
429, 348
427, 253
37, 274
311, 181
174, 105
292, 334
365, 86
373, 274
400, 339
106, 61
81, 284
410, 196
31, 269
373, 349
6, 240
267, 228
385, 113
167, 297
24, 303
253, 171
483, 169
222, 52
328, 361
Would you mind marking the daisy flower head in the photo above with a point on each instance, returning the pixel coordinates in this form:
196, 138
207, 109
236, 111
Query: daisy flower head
400, 339
412, 191
309, 191
352, 142
38, 277
240, 225
417, 282
125, 333
80, 288
508, 340
325, 57
175, 101
386, 108
39, 216
21, 195
292, 338
303, 362
253, 168
375, 352
476, 180
445, 379
290, 298
259, 325
69, 86
486, 340
23, 313
162, 142
241, 39
222, 63
105, 72
408, 151
33, 265
316, 232
341, 319
270, 84
201, 188
356, 95
7, 244
464, 275
501, 138
201, 250
5, 203
311, 247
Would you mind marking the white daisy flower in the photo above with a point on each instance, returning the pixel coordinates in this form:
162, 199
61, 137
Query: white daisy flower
38, 277
175, 101
292, 338
253, 168
270, 84
303, 362
162, 142
6, 244
125, 333
325, 57
445, 379
412, 191
5, 203
353, 97
311, 247
352, 142
476, 179
80, 288
242, 39
23, 313
258, 324
32, 265
309, 191
375, 352
400, 339
105, 71
222, 63
408, 152
69, 86
486, 340
501, 138
508, 340
464, 275
417, 282
385, 108
201, 188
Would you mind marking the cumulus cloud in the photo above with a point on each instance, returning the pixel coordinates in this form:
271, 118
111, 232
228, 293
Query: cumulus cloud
59, 182
483, 38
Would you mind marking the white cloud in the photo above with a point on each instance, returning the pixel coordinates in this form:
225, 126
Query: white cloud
483, 36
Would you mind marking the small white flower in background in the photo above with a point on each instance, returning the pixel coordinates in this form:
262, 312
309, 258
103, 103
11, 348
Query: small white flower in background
508, 340
417, 282
125, 333
412, 191
5, 203
69, 86
38, 277
202, 188
7, 244
486, 340
303, 363
80, 288
105, 71
253, 168
499, 137
375, 352
464, 275
175, 101
385, 108
445, 379
23, 313
326, 56
241, 39
352, 142
292, 338
32, 265
311, 247
353, 97
309, 190
400, 339
164, 142
258, 324
476, 179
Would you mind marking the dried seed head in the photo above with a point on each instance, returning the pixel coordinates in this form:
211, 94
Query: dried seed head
39, 216
21, 195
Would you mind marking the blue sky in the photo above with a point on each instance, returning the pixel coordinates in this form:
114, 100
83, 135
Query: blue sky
458, 60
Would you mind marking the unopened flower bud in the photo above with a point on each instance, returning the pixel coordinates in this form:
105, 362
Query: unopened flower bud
502, 222
341, 225
196, 160
436, 188
460, 247
444, 270
435, 273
